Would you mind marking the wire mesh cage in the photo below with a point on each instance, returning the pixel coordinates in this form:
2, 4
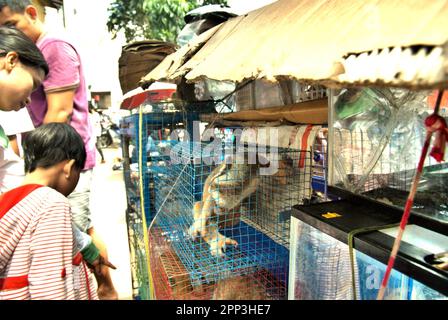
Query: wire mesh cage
226, 224
139, 267
145, 140
154, 136
314, 139
245, 244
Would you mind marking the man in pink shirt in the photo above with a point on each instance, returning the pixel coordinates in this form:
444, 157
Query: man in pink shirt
62, 97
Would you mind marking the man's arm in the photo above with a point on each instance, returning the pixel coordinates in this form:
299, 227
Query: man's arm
60, 106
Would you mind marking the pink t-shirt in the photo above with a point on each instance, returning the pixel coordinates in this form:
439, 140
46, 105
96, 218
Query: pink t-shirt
65, 73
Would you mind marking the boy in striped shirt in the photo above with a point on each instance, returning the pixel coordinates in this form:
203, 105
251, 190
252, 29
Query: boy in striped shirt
38, 255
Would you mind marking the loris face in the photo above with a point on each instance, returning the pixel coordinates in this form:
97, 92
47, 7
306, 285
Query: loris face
238, 172
241, 167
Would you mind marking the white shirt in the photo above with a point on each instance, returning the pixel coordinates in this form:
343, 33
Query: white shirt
15, 122
12, 169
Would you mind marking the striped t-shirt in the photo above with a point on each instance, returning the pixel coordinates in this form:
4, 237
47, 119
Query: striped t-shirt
36, 241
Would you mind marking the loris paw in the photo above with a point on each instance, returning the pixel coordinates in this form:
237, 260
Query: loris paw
197, 230
219, 245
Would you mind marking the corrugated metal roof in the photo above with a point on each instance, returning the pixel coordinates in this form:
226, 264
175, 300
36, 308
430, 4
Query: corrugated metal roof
334, 42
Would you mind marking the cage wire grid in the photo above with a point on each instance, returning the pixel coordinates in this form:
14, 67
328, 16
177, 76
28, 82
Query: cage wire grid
138, 132
185, 269
261, 234
137, 253
140, 280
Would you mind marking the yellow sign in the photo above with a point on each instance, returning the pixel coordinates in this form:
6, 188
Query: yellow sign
331, 215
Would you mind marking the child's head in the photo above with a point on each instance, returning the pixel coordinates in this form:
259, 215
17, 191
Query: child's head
58, 147
22, 69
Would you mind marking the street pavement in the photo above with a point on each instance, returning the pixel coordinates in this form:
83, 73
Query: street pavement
108, 207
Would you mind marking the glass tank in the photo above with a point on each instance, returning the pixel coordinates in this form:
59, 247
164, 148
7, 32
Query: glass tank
320, 269
376, 138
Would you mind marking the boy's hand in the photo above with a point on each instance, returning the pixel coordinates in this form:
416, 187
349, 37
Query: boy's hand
98, 263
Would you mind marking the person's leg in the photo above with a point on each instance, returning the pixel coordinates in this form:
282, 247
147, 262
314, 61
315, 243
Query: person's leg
97, 144
80, 205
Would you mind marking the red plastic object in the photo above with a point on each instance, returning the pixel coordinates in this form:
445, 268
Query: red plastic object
150, 96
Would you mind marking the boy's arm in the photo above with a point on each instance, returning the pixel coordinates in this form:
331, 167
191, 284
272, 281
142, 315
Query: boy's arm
82, 239
51, 254
90, 253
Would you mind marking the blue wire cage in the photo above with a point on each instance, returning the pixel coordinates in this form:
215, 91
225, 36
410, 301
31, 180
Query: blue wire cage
154, 138
257, 227
184, 266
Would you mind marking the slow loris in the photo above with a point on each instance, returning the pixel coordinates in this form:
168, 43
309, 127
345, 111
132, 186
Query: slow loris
224, 190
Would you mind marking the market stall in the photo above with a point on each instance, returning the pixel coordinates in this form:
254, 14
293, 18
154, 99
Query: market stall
372, 61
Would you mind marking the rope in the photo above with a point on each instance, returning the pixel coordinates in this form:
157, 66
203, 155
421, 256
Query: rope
438, 102
351, 237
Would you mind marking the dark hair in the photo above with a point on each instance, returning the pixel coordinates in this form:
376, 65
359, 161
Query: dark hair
16, 6
29, 54
52, 143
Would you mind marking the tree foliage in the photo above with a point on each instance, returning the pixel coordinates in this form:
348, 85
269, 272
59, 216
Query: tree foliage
151, 19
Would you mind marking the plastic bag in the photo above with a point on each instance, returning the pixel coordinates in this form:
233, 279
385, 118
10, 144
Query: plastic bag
376, 134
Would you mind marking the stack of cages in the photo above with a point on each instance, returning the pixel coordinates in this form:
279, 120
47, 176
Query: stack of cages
146, 139
261, 94
222, 221
375, 136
